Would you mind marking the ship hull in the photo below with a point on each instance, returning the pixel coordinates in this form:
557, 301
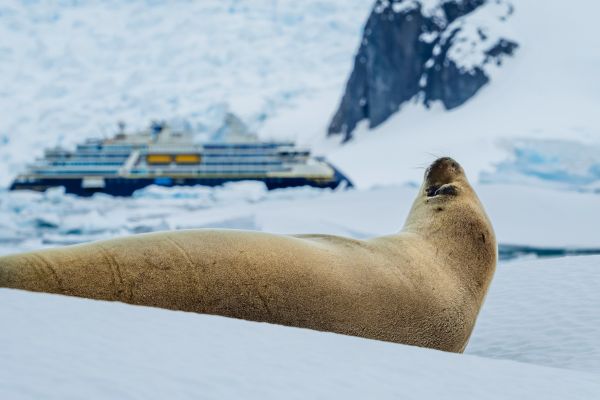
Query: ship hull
122, 186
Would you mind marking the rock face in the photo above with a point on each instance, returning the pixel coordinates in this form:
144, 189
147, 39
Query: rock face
423, 49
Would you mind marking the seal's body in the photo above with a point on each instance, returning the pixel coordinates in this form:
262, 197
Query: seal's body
423, 286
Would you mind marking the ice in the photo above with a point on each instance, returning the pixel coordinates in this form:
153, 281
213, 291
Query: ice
522, 216
562, 164
543, 312
203, 196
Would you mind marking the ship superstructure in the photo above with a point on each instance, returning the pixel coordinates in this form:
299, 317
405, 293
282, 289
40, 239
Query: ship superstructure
128, 162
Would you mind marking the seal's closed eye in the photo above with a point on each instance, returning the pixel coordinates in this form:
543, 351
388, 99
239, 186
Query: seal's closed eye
444, 190
447, 190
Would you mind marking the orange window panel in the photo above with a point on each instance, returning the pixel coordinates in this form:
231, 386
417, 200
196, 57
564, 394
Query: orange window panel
187, 159
159, 159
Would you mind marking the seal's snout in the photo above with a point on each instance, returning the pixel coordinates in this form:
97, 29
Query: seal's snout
440, 174
443, 170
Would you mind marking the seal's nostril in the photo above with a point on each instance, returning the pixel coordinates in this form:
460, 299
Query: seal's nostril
430, 191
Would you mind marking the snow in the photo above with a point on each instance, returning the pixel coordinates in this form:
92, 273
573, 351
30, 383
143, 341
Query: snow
61, 347
543, 312
478, 32
429, 8
522, 216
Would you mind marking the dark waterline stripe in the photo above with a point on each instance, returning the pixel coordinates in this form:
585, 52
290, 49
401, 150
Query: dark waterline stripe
510, 252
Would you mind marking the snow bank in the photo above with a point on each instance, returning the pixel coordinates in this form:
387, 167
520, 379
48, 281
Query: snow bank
543, 312
56, 347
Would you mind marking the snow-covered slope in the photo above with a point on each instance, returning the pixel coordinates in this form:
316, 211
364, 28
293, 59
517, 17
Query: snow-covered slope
56, 347
550, 90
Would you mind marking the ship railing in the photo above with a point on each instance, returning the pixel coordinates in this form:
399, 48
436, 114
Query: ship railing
49, 172
240, 157
204, 171
249, 153
72, 168
196, 174
103, 153
78, 163
105, 147
94, 155
258, 145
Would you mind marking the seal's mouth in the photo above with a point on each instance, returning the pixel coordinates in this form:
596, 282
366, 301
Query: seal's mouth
439, 176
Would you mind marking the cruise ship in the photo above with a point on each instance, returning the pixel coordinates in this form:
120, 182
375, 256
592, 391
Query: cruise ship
159, 156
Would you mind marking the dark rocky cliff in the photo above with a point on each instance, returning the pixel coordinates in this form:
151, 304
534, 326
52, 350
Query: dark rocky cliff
410, 48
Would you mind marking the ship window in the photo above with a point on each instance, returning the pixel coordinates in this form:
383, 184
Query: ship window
159, 159
187, 159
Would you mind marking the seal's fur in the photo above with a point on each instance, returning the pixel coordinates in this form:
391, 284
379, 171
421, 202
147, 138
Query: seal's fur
423, 286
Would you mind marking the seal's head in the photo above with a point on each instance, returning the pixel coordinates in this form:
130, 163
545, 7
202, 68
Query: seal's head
448, 214
444, 177
446, 189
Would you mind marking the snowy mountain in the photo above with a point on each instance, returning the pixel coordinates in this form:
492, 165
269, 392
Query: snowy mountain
536, 122
424, 50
